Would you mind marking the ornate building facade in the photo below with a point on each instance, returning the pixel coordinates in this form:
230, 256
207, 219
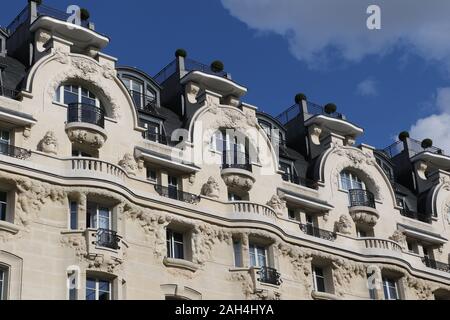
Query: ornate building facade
118, 185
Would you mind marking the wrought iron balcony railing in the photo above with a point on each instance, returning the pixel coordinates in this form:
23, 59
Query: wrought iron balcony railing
8, 92
299, 181
361, 198
108, 239
318, 233
436, 265
14, 152
87, 113
270, 276
416, 215
175, 194
236, 160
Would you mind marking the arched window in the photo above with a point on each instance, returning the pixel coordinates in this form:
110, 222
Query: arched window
67, 94
350, 181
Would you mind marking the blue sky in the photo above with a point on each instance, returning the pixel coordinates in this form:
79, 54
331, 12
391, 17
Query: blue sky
274, 50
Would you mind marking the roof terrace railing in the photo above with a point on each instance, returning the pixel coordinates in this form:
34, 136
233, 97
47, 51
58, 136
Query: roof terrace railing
312, 109
189, 65
8, 92
414, 148
42, 10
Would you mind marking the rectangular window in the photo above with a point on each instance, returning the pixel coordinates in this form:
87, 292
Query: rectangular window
151, 174
291, 213
73, 215
319, 279
390, 289
2, 284
237, 248
258, 255
173, 187
98, 289
361, 233
3, 205
71, 94
175, 245
98, 217
152, 131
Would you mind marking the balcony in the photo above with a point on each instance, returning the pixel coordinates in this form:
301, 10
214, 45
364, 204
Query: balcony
304, 182
237, 170
269, 276
85, 125
9, 93
108, 239
362, 207
318, 233
436, 265
416, 215
160, 138
14, 152
86, 113
175, 194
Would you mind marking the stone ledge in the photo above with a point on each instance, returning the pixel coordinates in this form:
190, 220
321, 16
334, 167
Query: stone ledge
181, 264
9, 227
316, 295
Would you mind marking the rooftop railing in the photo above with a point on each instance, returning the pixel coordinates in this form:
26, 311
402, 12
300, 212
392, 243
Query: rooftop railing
312, 109
189, 65
42, 10
416, 215
414, 148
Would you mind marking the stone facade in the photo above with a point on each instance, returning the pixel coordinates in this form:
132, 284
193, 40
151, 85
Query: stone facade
109, 200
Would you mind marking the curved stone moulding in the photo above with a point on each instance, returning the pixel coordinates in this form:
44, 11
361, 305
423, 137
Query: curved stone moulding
364, 216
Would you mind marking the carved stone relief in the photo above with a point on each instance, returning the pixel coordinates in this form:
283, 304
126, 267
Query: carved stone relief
399, 237
278, 205
49, 144
86, 137
344, 225
211, 188
129, 164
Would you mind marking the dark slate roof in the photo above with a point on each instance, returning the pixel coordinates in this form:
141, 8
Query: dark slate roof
13, 72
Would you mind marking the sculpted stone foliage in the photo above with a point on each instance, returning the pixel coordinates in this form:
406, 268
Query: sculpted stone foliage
49, 144
278, 205
422, 289
105, 263
86, 137
205, 237
238, 181
129, 164
211, 188
83, 69
344, 225
344, 271
32, 195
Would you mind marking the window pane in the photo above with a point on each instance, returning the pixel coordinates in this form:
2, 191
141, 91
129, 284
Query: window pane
103, 295
90, 283
90, 294
104, 218
73, 215
178, 237
252, 259
103, 285
70, 97
179, 252
237, 247
92, 215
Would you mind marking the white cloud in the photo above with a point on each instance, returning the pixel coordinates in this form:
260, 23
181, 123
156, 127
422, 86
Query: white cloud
436, 127
367, 87
311, 27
